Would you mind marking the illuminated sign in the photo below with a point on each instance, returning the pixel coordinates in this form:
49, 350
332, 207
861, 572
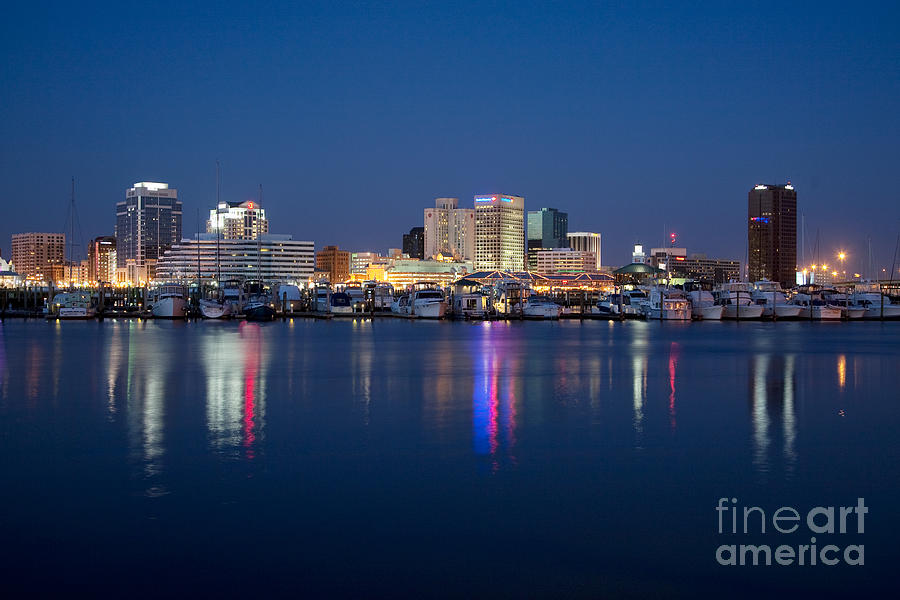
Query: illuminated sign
679, 258
485, 198
507, 199
760, 219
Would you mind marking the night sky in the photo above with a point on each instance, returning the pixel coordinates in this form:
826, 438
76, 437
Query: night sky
637, 121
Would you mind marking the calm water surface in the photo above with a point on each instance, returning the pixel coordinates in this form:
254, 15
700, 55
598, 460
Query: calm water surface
412, 458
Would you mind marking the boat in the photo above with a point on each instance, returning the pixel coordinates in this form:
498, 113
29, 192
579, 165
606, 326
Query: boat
668, 305
382, 295
259, 305
357, 297
703, 304
169, 302
288, 297
215, 309
71, 306
813, 306
772, 298
629, 303
877, 305
322, 297
841, 300
427, 302
471, 305
400, 305
541, 307
340, 303
736, 298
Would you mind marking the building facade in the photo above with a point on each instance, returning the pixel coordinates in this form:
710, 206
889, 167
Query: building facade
772, 233
238, 220
499, 233
414, 243
39, 256
148, 222
335, 262
698, 266
449, 230
565, 261
547, 229
271, 258
586, 242
102, 259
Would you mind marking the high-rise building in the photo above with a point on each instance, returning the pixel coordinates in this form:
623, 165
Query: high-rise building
449, 230
499, 233
414, 243
148, 222
586, 242
772, 233
335, 262
238, 220
102, 259
547, 229
39, 255
698, 266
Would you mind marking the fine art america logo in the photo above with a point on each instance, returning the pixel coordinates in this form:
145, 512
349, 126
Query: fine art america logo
838, 524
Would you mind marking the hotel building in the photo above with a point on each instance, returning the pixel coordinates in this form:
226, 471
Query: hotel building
449, 230
335, 263
499, 233
238, 220
102, 259
565, 261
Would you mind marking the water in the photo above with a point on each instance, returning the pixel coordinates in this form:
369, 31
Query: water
414, 458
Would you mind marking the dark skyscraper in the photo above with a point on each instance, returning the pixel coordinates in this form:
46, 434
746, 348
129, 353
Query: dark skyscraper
414, 242
772, 233
547, 229
148, 222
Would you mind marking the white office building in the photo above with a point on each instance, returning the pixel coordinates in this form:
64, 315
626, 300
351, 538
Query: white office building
271, 258
564, 261
238, 220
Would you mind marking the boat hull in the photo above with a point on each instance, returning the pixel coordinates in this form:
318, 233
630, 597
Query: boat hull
670, 314
708, 313
76, 313
214, 310
820, 313
891, 311
259, 312
542, 311
169, 308
742, 312
430, 310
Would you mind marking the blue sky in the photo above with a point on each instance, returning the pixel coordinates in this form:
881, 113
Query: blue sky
637, 120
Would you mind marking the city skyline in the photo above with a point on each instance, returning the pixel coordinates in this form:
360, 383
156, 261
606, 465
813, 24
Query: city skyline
625, 118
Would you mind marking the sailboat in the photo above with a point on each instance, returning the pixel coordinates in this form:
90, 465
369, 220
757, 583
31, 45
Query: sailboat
214, 308
260, 306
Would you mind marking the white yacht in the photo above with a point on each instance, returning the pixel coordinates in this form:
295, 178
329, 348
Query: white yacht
71, 305
869, 297
628, 303
841, 300
382, 295
704, 307
169, 302
668, 305
340, 303
428, 304
813, 306
400, 305
357, 297
541, 307
772, 298
737, 299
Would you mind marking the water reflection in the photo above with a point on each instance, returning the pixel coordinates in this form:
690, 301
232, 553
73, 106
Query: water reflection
673, 364
4, 377
772, 399
639, 364
842, 370
494, 403
235, 365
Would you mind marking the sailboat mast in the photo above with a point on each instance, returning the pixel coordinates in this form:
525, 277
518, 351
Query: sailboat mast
258, 238
218, 223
